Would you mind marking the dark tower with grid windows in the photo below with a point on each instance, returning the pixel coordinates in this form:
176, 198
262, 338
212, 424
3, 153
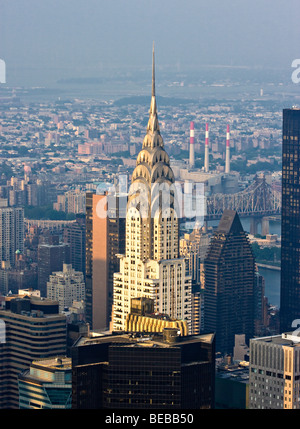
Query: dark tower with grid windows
229, 269
290, 221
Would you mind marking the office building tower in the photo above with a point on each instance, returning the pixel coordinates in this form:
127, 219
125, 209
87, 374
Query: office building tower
33, 330
151, 266
105, 232
11, 233
274, 372
229, 269
51, 258
165, 371
260, 307
66, 286
74, 235
290, 221
193, 248
47, 384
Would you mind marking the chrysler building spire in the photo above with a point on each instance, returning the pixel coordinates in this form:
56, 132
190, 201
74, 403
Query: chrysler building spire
153, 73
153, 121
151, 266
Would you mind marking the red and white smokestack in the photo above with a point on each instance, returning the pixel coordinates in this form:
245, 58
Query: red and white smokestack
206, 154
192, 147
227, 160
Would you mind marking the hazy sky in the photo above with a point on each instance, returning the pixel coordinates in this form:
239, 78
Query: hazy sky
95, 35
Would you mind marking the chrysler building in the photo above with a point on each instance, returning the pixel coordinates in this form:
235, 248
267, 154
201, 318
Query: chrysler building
152, 266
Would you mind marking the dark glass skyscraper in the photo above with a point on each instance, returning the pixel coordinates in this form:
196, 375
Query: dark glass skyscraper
290, 223
161, 371
229, 269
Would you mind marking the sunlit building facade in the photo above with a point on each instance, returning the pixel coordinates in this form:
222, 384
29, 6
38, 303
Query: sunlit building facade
152, 266
47, 384
274, 372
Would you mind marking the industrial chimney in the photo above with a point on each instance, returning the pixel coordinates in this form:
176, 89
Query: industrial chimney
192, 147
206, 155
227, 160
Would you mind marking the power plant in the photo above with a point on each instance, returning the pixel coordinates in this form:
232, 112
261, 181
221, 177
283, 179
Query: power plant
206, 150
215, 182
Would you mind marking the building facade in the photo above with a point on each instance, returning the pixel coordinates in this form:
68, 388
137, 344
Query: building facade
290, 221
274, 372
11, 233
229, 284
164, 371
193, 248
51, 258
151, 266
47, 384
74, 236
105, 232
66, 286
33, 329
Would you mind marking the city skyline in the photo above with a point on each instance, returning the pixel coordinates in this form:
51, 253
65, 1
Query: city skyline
154, 238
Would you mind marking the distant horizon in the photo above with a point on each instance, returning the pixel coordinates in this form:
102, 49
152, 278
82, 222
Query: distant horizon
54, 39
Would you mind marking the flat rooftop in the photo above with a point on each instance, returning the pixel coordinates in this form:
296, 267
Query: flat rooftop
57, 363
291, 339
141, 339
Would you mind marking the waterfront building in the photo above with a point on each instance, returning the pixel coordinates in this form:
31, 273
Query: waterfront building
290, 221
229, 269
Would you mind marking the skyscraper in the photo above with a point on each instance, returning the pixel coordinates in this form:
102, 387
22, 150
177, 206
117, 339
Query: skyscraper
290, 221
165, 371
47, 384
74, 235
274, 372
51, 257
104, 241
229, 269
193, 247
66, 286
152, 266
11, 233
33, 330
